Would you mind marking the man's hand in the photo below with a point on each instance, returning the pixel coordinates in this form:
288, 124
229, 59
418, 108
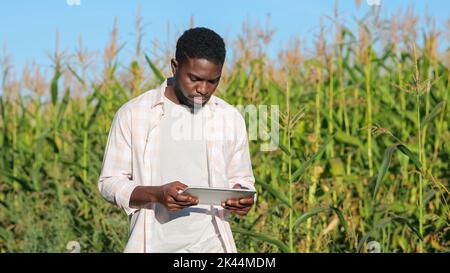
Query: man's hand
168, 196
242, 206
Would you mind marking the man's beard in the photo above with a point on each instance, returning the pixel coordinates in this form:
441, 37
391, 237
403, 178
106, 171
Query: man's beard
183, 99
181, 96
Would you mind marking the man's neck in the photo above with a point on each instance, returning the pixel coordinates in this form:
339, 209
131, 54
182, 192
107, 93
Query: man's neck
170, 94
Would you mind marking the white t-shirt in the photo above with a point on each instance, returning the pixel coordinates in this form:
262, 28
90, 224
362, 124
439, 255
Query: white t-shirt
183, 158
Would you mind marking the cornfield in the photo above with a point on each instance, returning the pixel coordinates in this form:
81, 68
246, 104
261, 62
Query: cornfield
363, 154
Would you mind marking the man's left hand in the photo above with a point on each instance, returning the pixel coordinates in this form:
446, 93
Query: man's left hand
242, 206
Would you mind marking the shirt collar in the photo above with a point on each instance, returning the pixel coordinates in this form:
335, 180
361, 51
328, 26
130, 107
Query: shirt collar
159, 99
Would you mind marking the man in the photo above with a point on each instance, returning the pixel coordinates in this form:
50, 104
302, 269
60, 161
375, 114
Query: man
151, 155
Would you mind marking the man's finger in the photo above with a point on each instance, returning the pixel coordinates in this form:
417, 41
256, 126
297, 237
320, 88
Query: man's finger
170, 201
236, 208
174, 207
235, 203
246, 201
182, 203
186, 198
187, 204
183, 198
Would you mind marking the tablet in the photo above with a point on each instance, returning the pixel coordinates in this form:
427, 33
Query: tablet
215, 196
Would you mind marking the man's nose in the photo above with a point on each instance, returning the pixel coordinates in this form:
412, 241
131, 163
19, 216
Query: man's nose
202, 88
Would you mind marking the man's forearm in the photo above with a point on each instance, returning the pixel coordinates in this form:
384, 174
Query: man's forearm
143, 195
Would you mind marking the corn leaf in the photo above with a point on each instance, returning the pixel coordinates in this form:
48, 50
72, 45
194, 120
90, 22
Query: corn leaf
411, 155
54, 85
305, 166
384, 167
348, 139
310, 214
264, 238
274, 192
436, 110
159, 75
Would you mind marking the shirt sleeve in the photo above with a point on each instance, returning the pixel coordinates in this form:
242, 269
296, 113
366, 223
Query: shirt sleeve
239, 169
116, 179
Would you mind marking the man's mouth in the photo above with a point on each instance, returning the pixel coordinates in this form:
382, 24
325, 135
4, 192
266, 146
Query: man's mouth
198, 100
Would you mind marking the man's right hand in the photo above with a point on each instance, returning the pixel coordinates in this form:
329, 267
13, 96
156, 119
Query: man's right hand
168, 196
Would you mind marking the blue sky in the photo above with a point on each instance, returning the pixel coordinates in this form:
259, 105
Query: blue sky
27, 27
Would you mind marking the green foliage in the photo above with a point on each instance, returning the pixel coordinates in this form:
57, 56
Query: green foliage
334, 184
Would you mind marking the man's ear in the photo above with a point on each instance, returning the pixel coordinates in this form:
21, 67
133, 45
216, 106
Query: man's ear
174, 66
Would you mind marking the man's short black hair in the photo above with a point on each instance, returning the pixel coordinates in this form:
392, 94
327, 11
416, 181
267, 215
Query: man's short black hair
201, 43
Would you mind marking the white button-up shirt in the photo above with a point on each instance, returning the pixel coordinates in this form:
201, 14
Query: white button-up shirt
131, 159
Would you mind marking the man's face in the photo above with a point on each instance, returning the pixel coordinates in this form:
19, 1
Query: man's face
196, 80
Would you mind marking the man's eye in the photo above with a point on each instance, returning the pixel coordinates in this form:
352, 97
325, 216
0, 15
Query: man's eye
194, 79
